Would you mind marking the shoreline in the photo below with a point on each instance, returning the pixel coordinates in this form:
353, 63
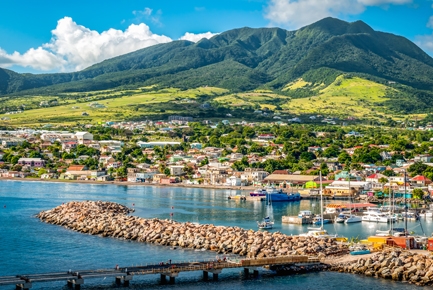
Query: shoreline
126, 183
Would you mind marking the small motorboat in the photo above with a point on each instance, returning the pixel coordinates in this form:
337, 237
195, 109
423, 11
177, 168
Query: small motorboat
318, 221
359, 250
265, 224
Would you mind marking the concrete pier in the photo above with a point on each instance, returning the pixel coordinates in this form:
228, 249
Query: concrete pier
125, 275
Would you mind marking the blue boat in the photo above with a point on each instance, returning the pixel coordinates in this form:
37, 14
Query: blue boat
318, 221
360, 252
279, 195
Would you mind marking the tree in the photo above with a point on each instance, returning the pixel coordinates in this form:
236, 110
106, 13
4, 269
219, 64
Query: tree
167, 171
382, 181
417, 193
417, 168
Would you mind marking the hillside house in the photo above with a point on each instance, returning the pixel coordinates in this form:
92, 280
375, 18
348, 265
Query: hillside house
31, 162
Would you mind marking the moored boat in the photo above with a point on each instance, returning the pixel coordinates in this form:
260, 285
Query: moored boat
266, 223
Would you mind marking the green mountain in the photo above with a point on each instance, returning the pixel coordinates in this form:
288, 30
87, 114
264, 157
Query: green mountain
245, 59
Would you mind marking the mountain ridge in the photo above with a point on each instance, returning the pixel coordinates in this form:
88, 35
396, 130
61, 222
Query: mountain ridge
246, 58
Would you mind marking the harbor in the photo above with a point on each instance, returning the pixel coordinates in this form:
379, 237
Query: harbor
49, 247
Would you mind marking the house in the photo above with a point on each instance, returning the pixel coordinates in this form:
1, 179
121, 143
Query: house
67, 146
385, 155
32, 162
341, 188
234, 181
114, 164
1, 155
254, 174
425, 158
196, 146
266, 137
420, 181
157, 177
156, 144
176, 170
169, 180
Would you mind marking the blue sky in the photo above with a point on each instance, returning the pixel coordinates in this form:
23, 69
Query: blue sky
60, 36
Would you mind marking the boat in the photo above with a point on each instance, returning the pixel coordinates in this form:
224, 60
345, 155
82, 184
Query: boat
266, 223
378, 217
340, 218
305, 213
359, 250
238, 196
258, 192
320, 221
279, 195
353, 219
319, 232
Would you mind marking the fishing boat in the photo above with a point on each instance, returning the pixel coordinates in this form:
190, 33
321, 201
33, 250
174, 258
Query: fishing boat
279, 195
266, 223
258, 192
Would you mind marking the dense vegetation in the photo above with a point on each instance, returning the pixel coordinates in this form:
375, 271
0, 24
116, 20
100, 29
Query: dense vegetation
246, 59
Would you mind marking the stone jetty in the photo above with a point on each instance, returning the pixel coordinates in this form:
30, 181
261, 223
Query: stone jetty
393, 263
112, 220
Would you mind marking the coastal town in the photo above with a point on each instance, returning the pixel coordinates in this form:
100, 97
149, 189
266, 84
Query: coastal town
224, 154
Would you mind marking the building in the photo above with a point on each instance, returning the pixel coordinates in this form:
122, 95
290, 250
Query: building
176, 170
180, 118
156, 144
32, 162
82, 137
341, 188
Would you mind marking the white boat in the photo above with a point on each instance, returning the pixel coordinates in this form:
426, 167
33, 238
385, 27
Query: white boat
305, 213
341, 218
353, 219
377, 217
266, 223
319, 232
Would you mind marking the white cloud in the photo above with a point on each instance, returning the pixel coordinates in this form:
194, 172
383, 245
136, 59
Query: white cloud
196, 37
297, 13
430, 22
75, 47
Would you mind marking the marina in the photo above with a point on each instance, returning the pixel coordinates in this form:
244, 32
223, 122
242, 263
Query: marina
47, 247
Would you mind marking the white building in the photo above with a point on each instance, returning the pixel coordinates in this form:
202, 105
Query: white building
82, 137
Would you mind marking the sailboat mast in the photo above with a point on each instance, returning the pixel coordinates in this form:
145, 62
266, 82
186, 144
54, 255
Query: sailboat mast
321, 200
405, 206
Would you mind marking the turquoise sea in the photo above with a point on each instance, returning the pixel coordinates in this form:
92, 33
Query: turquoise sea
30, 246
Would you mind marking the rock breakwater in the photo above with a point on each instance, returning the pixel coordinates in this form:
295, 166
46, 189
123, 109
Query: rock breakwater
395, 264
112, 220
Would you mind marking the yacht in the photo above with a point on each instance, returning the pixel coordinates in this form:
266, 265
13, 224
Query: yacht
352, 219
341, 218
377, 217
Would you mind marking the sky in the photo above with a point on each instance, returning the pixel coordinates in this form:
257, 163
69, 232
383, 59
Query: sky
63, 36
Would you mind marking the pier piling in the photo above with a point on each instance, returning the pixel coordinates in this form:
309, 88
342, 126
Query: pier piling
24, 286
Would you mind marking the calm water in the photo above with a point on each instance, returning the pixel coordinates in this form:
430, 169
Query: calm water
29, 246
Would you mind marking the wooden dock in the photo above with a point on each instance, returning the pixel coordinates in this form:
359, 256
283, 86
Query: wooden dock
124, 275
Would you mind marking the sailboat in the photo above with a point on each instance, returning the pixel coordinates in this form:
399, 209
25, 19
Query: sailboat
351, 218
319, 232
267, 223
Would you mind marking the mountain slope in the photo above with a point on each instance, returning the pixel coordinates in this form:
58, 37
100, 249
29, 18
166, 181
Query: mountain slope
246, 58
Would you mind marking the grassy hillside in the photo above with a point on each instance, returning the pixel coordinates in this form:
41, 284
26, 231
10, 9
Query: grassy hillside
110, 106
354, 97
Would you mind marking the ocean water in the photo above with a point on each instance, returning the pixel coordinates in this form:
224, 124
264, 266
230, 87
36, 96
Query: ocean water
30, 246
